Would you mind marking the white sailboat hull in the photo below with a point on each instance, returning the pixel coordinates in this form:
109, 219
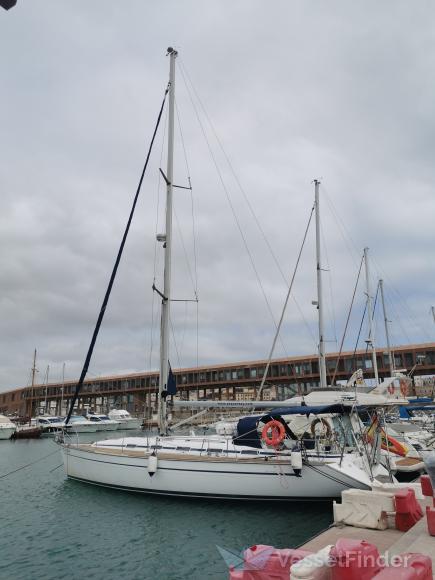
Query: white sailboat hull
214, 477
7, 432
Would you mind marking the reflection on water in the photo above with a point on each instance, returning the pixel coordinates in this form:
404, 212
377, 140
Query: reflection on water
53, 528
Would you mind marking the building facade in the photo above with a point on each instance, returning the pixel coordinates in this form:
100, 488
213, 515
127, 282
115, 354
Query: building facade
137, 392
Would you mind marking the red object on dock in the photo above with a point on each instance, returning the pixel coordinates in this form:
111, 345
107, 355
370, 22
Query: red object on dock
408, 510
263, 562
426, 486
430, 516
354, 560
413, 567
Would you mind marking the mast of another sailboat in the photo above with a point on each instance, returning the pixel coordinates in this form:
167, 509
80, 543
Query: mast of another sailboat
371, 337
33, 385
322, 363
387, 334
166, 299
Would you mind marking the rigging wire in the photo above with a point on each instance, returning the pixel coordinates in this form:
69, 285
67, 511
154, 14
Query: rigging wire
183, 245
115, 268
358, 337
410, 315
285, 305
332, 312
175, 342
159, 182
353, 252
186, 75
233, 211
195, 253
347, 321
381, 273
392, 307
29, 464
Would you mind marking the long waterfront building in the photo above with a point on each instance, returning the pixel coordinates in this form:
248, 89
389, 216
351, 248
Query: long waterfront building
137, 392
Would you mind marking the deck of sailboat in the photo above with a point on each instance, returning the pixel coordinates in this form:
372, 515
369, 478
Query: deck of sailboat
220, 457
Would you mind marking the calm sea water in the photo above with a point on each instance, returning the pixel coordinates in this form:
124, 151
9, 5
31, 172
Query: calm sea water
52, 528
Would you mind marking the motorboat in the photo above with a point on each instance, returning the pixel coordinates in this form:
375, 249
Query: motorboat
125, 420
79, 424
103, 422
7, 427
50, 426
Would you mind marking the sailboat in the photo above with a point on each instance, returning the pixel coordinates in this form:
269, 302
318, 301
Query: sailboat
270, 465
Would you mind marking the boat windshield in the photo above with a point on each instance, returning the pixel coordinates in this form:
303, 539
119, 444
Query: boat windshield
77, 418
104, 418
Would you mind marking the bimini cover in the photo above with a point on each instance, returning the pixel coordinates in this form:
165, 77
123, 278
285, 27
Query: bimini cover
405, 412
247, 433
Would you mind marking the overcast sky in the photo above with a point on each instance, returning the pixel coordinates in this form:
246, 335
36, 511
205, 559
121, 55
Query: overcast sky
295, 90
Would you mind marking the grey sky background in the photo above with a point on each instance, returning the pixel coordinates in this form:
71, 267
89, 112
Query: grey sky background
340, 91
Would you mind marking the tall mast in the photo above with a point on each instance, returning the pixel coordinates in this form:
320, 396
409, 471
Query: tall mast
387, 334
371, 337
166, 300
46, 388
33, 370
63, 387
433, 312
33, 384
322, 364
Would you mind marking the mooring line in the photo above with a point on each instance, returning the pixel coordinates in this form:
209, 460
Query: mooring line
29, 464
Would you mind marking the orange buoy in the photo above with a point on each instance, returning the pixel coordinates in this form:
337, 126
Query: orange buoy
273, 433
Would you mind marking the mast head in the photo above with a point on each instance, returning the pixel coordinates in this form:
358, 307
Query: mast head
171, 51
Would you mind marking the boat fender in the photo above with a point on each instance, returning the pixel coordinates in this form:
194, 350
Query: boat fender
273, 433
296, 462
152, 464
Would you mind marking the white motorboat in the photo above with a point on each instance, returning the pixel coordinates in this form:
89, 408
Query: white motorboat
79, 424
50, 426
103, 422
7, 427
125, 420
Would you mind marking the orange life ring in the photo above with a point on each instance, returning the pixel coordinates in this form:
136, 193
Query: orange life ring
403, 388
277, 433
391, 389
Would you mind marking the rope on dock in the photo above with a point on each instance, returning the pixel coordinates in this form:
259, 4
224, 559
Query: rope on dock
28, 464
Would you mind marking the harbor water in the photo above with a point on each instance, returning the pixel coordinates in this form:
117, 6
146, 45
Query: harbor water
53, 528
